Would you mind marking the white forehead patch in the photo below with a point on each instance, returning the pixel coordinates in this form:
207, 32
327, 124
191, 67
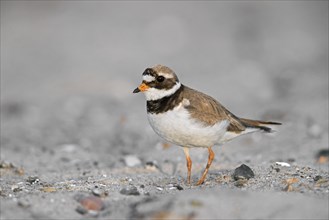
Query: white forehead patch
166, 75
148, 78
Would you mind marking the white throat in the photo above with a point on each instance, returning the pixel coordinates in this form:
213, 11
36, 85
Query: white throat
155, 94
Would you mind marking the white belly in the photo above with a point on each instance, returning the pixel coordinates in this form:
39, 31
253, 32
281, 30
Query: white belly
177, 127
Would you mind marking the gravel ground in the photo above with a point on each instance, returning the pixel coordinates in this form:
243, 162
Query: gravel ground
75, 141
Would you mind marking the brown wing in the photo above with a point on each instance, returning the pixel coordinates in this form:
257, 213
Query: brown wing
209, 111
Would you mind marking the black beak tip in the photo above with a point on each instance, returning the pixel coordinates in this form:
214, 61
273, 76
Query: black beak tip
136, 90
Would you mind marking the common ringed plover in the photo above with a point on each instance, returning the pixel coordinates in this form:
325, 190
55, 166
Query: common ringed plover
189, 118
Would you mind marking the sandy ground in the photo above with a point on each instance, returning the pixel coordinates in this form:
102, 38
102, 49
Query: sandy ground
74, 137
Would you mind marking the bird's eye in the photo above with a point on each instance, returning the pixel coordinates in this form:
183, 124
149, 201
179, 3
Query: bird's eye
160, 78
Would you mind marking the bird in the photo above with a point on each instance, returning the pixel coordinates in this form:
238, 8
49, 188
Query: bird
189, 118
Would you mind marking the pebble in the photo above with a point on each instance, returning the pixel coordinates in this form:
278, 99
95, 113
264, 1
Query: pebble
132, 160
277, 169
99, 193
130, 191
16, 188
92, 203
240, 182
96, 192
24, 203
33, 179
283, 164
81, 210
179, 187
151, 165
243, 172
175, 186
159, 188
318, 177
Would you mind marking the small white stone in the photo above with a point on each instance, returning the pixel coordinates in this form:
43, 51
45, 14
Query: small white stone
15, 188
283, 164
132, 160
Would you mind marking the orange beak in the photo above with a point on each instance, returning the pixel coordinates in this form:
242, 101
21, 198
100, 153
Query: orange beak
141, 88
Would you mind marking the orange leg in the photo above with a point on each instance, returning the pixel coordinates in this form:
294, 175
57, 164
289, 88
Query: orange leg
189, 164
210, 159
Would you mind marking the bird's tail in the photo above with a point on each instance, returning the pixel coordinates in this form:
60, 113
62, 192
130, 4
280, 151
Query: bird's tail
262, 125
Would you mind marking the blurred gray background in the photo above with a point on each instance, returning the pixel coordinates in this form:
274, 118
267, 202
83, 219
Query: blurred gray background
236, 51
